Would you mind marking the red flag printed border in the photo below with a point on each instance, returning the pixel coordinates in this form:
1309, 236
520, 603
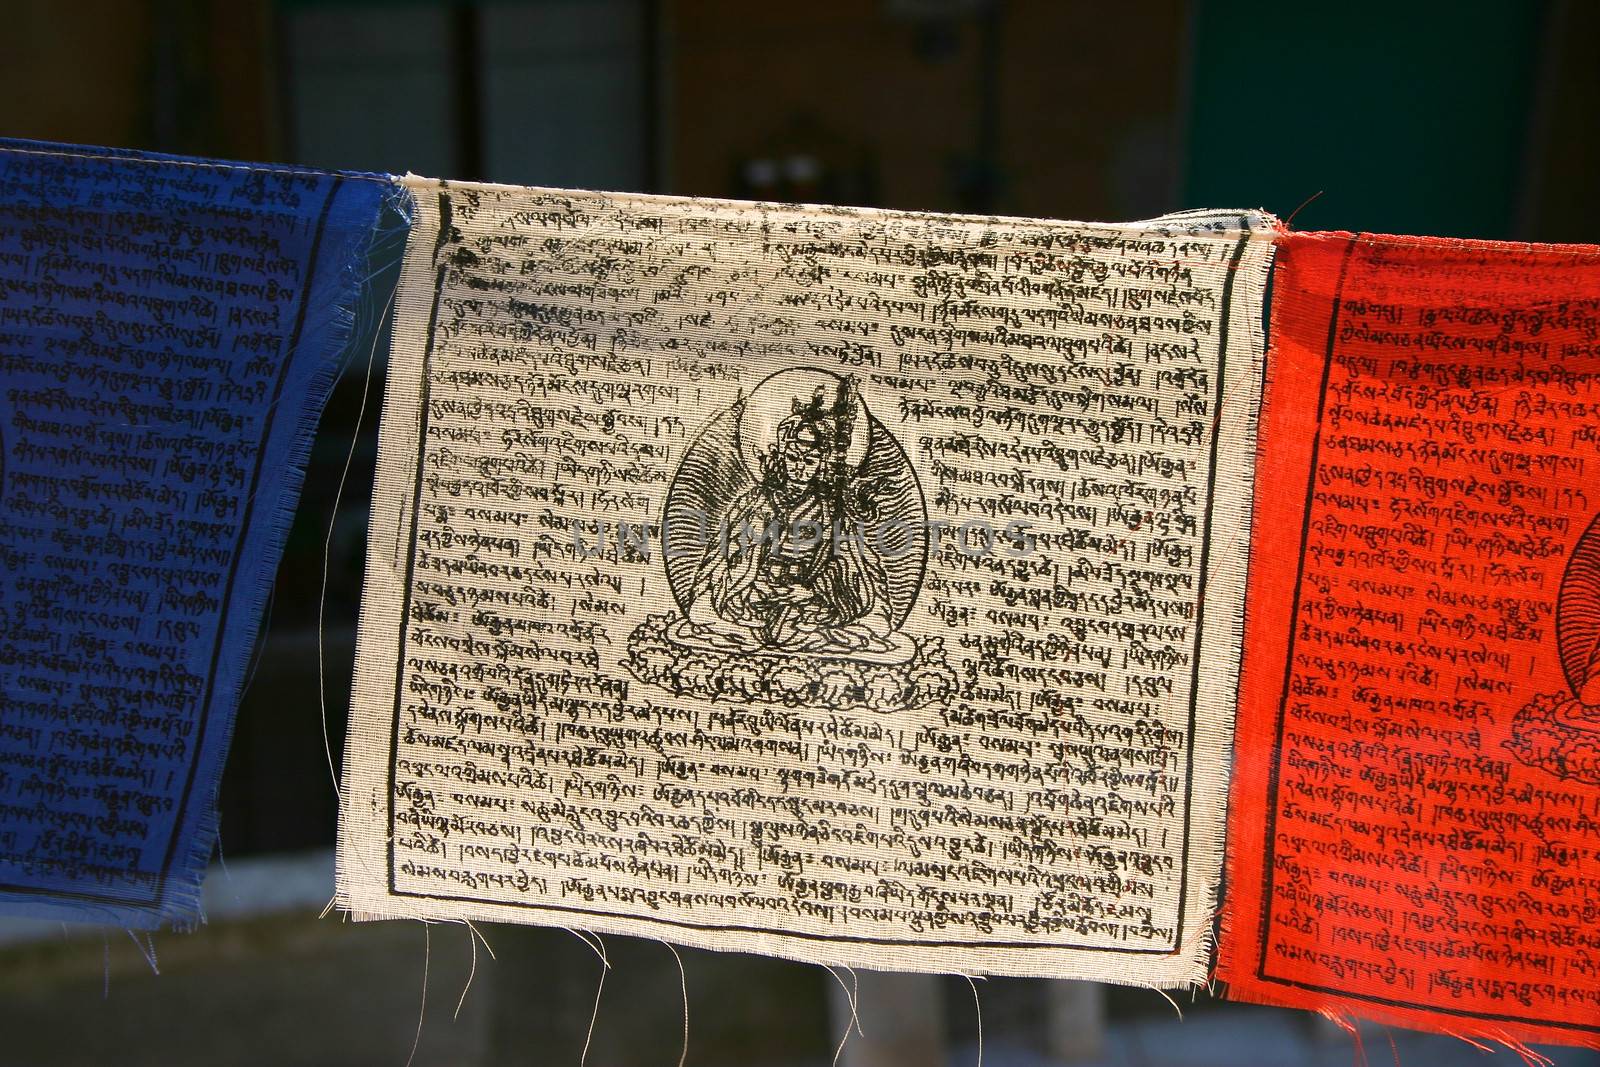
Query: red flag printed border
1415, 820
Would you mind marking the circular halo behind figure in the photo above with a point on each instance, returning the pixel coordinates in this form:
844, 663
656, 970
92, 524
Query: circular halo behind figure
725, 462
780, 619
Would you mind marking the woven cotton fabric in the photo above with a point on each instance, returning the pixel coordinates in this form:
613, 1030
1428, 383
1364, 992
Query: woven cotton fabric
1414, 814
853, 586
169, 331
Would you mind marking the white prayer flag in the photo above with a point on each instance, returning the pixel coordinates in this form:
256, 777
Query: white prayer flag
854, 586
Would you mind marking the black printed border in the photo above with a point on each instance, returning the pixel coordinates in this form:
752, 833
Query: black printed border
1188, 806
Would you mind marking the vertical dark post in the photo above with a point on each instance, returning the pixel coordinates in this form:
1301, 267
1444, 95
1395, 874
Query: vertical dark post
650, 95
980, 182
285, 127
988, 139
182, 108
166, 79
1075, 1021
1541, 140
466, 72
903, 1015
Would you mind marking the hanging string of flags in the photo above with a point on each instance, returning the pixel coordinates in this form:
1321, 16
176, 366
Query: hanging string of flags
874, 588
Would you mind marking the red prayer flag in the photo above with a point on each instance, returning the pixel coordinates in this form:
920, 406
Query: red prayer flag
1415, 825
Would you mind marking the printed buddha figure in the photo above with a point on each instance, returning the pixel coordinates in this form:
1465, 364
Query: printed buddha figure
794, 574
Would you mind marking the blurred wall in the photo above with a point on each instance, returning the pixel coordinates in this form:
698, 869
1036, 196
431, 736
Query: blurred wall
1473, 117
190, 76
1027, 107
1406, 117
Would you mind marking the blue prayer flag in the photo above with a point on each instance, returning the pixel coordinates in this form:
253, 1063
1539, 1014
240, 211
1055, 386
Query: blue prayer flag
169, 332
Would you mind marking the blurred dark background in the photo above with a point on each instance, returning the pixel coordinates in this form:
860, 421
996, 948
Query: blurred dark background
1472, 118
1465, 118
